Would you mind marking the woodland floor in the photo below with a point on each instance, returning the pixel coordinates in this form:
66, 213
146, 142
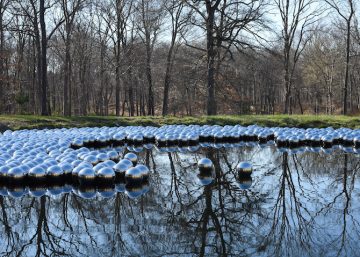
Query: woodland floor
16, 122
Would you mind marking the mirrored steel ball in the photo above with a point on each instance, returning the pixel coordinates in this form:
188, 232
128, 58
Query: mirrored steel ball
144, 171
133, 176
37, 172
131, 157
205, 164
54, 171
105, 173
245, 168
87, 174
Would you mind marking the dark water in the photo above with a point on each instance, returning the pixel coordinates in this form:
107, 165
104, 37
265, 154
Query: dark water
304, 204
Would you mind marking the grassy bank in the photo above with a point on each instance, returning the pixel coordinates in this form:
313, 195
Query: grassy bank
16, 122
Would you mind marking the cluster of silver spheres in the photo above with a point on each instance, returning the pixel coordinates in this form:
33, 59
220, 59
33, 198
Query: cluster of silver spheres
83, 191
243, 173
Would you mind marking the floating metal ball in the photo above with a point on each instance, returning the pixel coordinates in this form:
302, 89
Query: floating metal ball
205, 164
16, 173
55, 171
105, 173
102, 157
131, 157
121, 168
245, 168
66, 167
133, 176
87, 174
4, 170
144, 171
37, 172
126, 162
109, 163
91, 159
113, 155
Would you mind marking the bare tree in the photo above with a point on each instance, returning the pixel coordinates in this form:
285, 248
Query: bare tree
297, 18
69, 8
347, 16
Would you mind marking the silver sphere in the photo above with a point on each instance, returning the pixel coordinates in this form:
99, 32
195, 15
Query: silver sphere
133, 175
121, 168
37, 172
55, 171
126, 162
87, 174
205, 163
131, 157
244, 167
66, 167
105, 173
16, 173
144, 170
4, 170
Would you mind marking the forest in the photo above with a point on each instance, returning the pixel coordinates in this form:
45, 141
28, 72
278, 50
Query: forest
188, 57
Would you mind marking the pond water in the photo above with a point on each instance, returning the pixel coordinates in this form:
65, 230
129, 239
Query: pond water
300, 203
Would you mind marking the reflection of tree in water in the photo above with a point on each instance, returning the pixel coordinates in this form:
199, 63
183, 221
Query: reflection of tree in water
286, 212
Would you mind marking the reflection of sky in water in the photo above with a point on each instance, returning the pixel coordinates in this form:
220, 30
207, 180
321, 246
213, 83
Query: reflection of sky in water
298, 205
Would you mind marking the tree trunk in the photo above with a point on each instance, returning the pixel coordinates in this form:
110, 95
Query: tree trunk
347, 65
44, 102
211, 54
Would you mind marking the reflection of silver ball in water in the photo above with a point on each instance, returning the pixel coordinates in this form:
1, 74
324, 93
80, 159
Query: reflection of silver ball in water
120, 188
54, 171
205, 163
105, 173
206, 176
133, 175
144, 171
134, 190
244, 167
37, 191
87, 192
87, 174
204, 180
244, 182
17, 192
131, 157
37, 172
106, 192
55, 190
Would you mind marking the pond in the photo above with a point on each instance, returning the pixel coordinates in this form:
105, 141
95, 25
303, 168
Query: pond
297, 202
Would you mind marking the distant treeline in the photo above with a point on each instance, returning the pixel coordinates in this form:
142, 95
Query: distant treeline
189, 57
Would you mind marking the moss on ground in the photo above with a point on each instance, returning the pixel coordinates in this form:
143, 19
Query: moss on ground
16, 122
